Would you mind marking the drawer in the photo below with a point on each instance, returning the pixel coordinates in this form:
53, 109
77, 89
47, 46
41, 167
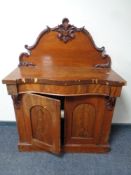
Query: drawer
69, 90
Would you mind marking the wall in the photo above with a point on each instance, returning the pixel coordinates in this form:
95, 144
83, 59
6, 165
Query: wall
109, 22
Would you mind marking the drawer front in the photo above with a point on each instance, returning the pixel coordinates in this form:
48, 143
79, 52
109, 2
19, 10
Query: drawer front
65, 90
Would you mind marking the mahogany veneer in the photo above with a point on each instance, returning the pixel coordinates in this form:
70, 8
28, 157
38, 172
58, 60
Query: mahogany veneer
64, 70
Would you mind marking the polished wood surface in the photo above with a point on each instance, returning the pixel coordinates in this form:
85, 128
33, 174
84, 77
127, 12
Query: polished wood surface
80, 51
84, 119
42, 121
64, 76
87, 124
70, 90
64, 70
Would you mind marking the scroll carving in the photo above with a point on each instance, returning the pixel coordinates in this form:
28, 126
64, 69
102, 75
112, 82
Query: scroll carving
104, 55
26, 64
101, 50
24, 54
110, 102
107, 65
29, 50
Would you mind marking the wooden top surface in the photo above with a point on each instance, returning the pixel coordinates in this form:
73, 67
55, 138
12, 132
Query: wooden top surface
64, 76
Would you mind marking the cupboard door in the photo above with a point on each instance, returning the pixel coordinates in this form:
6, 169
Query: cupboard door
84, 119
42, 118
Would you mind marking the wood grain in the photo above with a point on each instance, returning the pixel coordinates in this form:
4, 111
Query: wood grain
42, 120
64, 70
64, 76
41, 124
94, 114
70, 90
50, 47
83, 118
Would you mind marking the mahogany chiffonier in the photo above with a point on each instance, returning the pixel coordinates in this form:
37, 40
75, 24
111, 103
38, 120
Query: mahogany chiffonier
64, 70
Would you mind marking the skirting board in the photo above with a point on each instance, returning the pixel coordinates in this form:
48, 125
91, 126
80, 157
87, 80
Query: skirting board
13, 123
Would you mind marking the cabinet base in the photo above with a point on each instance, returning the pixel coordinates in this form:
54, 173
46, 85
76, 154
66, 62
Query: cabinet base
25, 147
90, 148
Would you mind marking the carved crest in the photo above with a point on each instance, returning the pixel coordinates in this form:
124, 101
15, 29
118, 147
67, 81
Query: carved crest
66, 31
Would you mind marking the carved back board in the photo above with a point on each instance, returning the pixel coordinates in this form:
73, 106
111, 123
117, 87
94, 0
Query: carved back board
65, 45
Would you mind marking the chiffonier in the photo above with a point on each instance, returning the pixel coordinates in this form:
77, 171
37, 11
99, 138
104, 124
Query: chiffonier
64, 71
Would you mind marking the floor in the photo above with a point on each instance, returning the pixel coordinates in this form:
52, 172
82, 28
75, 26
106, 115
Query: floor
116, 162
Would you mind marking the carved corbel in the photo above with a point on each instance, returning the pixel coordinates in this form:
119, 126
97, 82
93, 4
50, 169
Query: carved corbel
17, 100
110, 102
12, 89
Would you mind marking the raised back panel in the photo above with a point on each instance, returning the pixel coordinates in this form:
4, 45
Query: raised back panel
84, 122
41, 124
84, 118
65, 45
